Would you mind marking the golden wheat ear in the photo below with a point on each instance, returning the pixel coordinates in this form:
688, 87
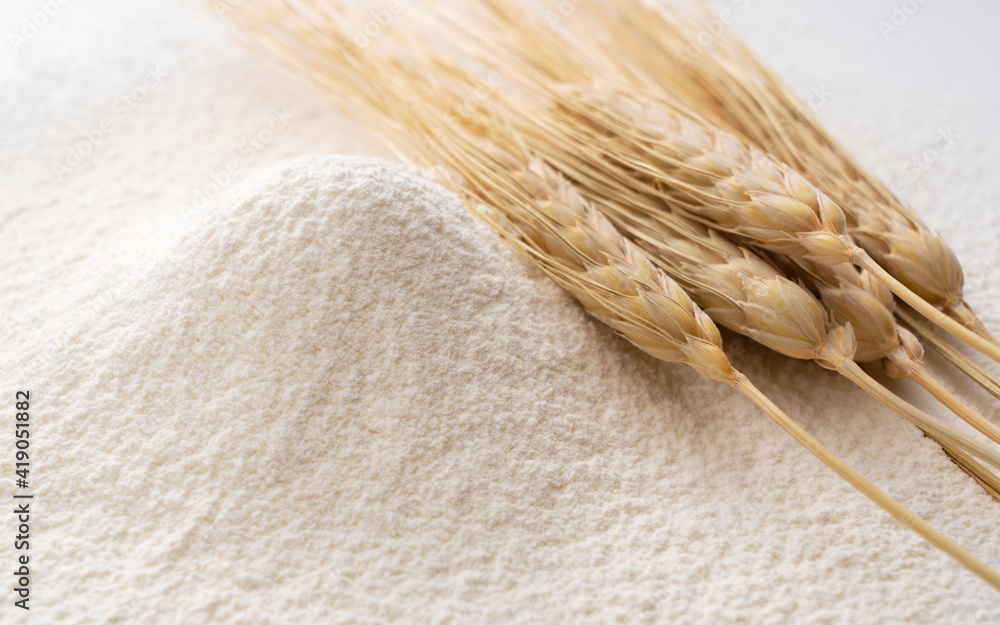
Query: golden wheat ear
712, 268
748, 295
918, 259
655, 50
717, 179
718, 274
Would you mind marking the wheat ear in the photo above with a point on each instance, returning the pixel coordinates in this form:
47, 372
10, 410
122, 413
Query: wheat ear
554, 59
656, 51
748, 295
557, 59
691, 244
609, 179
584, 253
603, 180
727, 282
734, 187
853, 297
501, 12
872, 316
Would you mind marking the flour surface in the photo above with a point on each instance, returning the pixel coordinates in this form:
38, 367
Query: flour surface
330, 395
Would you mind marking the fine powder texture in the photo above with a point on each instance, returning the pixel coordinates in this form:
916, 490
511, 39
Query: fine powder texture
337, 398
332, 396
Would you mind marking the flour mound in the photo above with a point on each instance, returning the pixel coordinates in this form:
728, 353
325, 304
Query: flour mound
310, 389
336, 397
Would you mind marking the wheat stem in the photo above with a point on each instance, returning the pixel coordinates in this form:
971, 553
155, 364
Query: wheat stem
881, 499
935, 316
983, 476
853, 372
919, 375
969, 367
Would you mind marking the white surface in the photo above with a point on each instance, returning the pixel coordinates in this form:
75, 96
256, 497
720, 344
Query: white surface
232, 426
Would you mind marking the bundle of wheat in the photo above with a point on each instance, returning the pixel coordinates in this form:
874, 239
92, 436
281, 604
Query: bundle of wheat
851, 297
661, 57
656, 51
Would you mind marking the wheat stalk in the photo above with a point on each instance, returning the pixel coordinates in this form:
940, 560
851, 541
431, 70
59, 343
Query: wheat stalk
969, 367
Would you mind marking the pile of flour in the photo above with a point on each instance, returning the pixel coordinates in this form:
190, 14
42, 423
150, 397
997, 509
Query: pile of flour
336, 397
330, 395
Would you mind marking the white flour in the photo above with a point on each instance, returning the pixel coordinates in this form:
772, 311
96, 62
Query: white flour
332, 396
